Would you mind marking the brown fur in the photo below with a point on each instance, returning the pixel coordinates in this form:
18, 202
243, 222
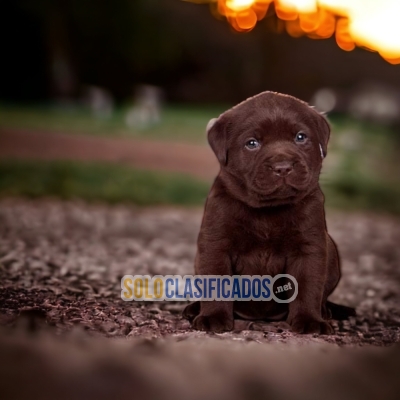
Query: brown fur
258, 222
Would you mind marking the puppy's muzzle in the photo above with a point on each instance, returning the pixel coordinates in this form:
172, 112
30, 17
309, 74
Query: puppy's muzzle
282, 168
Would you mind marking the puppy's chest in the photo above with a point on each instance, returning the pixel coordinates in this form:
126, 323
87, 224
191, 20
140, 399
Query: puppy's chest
263, 250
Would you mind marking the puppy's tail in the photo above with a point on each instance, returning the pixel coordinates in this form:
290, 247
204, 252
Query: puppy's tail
340, 312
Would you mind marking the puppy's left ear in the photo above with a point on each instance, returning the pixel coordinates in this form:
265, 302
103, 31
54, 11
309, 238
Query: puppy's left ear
217, 138
324, 132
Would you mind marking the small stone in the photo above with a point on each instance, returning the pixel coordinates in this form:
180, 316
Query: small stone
370, 293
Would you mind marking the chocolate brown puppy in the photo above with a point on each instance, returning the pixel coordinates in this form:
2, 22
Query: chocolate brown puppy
265, 214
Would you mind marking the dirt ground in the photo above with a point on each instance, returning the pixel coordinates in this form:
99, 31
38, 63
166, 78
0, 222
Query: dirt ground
194, 160
61, 265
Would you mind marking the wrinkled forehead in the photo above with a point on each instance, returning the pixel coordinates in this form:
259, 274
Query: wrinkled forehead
260, 114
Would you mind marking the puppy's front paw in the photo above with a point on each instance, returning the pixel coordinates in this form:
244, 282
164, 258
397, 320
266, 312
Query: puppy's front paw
191, 311
306, 324
213, 323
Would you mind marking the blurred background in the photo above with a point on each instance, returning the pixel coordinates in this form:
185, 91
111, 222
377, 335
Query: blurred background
108, 101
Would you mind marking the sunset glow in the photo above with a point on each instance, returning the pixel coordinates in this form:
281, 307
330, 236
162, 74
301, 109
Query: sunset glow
367, 23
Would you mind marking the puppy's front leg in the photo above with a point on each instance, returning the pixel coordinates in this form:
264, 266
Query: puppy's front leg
305, 311
215, 316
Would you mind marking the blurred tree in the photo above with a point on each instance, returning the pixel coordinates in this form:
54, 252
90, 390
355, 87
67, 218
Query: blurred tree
51, 48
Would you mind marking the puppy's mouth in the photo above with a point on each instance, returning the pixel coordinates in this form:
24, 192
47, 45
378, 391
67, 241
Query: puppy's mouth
280, 190
272, 186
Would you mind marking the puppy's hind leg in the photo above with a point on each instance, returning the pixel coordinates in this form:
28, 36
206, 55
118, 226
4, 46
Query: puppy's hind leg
191, 311
331, 310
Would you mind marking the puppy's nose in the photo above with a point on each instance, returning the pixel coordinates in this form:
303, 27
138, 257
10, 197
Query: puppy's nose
282, 168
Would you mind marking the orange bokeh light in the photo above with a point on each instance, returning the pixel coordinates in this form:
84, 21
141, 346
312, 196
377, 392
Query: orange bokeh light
368, 23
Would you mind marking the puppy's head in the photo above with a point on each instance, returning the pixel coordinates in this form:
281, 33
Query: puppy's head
270, 148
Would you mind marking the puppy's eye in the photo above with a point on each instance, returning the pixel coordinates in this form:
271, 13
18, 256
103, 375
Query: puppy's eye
252, 144
300, 137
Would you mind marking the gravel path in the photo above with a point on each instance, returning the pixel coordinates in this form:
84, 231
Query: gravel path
61, 265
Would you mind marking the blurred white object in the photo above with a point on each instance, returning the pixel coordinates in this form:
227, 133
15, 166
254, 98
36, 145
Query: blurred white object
324, 100
100, 101
147, 107
375, 102
372, 101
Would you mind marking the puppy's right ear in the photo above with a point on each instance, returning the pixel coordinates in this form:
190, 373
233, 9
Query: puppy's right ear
216, 134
